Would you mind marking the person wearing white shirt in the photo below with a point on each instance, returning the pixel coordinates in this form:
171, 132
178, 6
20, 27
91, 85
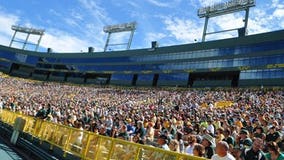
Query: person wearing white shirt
191, 143
210, 127
163, 142
222, 152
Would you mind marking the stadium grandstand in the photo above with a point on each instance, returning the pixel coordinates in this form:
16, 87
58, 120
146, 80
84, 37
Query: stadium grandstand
220, 99
247, 60
244, 61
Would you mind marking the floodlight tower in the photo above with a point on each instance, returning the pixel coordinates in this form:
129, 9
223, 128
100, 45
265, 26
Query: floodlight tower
125, 27
226, 8
28, 31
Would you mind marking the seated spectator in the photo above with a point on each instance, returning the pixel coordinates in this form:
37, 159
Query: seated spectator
130, 127
163, 142
150, 131
219, 135
209, 143
191, 143
243, 139
179, 138
122, 133
140, 130
199, 150
174, 145
258, 132
274, 152
255, 152
222, 152
273, 135
228, 138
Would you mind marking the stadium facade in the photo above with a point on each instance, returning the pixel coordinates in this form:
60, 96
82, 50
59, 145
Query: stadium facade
252, 60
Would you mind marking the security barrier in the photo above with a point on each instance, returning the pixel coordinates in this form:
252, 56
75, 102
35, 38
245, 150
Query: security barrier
88, 145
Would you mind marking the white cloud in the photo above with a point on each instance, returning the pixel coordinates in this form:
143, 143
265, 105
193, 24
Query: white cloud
277, 4
62, 42
6, 21
205, 3
230, 21
133, 4
57, 40
265, 19
99, 14
157, 3
54, 12
154, 36
278, 13
183, 30
164, 4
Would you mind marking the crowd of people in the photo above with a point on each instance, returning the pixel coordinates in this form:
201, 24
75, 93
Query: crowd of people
181, 120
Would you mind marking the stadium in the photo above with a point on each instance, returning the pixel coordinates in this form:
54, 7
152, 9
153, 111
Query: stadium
209, 99
245, 61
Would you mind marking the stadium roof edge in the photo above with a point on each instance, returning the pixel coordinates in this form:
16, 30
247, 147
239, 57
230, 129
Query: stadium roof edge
261, 37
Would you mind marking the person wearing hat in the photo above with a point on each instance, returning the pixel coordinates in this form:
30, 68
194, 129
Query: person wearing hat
243, 137
209, 143
163, 142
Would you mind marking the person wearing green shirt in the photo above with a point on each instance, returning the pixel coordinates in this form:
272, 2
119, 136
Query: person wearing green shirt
274, 152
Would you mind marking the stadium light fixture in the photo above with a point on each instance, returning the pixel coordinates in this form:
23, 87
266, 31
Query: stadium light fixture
28, 31
125, 27
120, 27
226, 8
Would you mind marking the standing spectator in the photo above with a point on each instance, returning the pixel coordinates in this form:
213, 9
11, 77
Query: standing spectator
222, 152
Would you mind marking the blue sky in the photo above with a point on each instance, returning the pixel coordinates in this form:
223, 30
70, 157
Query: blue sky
74, 25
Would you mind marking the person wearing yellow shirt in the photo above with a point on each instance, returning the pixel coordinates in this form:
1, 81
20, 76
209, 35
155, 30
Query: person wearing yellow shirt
239, 123
219, 136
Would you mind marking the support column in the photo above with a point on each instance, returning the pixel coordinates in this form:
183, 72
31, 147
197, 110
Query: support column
108, 37
13, 38
130, 39
246, 20
205, 29
26, 41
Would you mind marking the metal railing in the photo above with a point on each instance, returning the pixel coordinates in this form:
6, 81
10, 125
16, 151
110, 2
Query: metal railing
88, 145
